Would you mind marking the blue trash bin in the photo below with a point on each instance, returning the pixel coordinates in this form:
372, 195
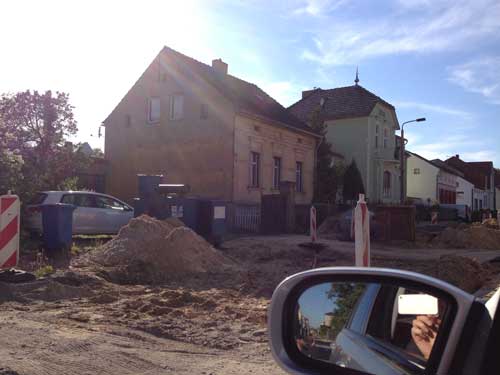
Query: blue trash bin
148, 184
57, 222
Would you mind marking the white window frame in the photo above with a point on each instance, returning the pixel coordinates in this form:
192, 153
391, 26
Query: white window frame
153, 102
299, 176
176, 112
416, 170
386, 137
254, 169
276, 172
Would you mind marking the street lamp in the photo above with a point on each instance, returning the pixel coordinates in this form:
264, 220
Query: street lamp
402, 158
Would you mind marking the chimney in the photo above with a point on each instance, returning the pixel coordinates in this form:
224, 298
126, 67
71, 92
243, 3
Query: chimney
457, 156
219, 66
307, 92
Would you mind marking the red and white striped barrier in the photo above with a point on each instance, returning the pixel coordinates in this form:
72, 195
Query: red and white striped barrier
312, 227
362, 233
434, 217
9, 230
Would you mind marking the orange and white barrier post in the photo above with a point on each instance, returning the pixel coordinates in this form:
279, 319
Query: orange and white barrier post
9, 230
362, 233
434, 217
312, 226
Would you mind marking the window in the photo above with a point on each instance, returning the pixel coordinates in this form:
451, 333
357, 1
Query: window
80, 200
204, 112
386, 137
387, 184
254, 169
38, 198
298, 177
416, 170
376, 136
176, 107
154, 109
108, 203
276, 173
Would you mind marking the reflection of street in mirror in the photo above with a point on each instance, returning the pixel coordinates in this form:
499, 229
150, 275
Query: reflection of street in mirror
399, 326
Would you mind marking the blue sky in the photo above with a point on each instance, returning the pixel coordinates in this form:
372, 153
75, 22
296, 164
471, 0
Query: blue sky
439, 59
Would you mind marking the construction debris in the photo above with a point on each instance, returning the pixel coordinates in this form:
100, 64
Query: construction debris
148, 250
466, 273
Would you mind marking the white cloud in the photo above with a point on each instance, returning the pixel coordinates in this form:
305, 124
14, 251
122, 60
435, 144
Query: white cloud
469, 148
424, 107
285, 92
481, 76
318, 7
440, 26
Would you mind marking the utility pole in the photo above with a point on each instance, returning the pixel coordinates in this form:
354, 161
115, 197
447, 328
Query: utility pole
402, 159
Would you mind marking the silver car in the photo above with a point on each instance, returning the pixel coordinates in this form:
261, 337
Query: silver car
95, 213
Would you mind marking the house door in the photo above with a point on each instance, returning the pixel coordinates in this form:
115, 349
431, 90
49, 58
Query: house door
273, 214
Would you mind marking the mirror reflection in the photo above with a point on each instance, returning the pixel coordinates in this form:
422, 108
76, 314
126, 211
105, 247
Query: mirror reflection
376, 328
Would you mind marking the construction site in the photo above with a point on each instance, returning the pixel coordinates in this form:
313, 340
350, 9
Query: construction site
158, 298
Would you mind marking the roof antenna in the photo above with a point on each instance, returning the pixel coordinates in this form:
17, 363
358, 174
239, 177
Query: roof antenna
356, 81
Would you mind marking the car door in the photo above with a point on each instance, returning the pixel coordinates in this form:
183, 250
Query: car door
115, 214
86, 216
376, 339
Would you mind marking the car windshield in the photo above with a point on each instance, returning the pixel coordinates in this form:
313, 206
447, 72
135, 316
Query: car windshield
164, 165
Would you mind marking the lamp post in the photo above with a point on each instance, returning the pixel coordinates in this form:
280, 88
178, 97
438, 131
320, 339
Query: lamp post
402, 157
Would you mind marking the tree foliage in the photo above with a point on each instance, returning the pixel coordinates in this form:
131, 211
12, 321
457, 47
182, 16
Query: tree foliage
326, 184
353, 183
344, 296
34, 152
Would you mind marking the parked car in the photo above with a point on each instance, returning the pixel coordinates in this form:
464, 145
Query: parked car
382, 321
95, 213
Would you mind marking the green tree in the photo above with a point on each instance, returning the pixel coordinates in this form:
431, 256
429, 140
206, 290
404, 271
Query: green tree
11, 163
326, 181
38, 125
353, 183
344, 296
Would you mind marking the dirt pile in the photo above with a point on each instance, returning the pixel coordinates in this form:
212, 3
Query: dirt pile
149, 251
475, 236
466, 273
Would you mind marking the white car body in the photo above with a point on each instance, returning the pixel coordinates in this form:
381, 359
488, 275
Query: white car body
95, 213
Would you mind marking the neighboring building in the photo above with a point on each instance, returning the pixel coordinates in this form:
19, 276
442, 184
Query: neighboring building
198, 125
434, 181
497, 188
482, 175
361, 126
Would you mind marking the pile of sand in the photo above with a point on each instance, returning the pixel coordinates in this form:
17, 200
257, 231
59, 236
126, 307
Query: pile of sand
148, 250
476, 236
466, 273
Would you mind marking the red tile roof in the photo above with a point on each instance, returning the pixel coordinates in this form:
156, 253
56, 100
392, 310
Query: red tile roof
476, 172
338, 103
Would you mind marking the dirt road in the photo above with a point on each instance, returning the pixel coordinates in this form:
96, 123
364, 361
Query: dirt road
79, 323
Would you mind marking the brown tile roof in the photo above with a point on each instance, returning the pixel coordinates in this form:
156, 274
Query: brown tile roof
247, 97
474, 172
448, 168
339, 103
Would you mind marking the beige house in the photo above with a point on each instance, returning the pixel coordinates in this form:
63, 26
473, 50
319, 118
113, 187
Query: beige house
361, 127
198, 125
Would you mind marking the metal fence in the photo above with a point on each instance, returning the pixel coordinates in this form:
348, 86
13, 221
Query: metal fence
244, 218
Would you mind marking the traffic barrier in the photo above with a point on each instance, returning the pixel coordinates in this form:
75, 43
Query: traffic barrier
9, 230
362, 233
312, 226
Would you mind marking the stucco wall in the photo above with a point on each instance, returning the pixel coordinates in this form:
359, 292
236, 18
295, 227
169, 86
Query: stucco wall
349, 137
192, 150
269, 141
464, 191
497, 198
421, 185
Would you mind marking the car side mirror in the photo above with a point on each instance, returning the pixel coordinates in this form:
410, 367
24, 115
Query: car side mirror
348, 320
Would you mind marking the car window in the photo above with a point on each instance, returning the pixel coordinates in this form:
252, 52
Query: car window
108, 203
79, 200
363, 308
39, 198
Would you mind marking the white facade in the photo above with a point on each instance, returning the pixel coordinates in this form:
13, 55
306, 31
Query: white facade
497, 198
464, 191
421, 179
480, 199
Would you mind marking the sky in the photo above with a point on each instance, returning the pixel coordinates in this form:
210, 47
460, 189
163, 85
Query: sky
438, 59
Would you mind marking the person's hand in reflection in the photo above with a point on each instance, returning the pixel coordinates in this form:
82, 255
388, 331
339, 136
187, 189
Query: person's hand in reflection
424, 331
